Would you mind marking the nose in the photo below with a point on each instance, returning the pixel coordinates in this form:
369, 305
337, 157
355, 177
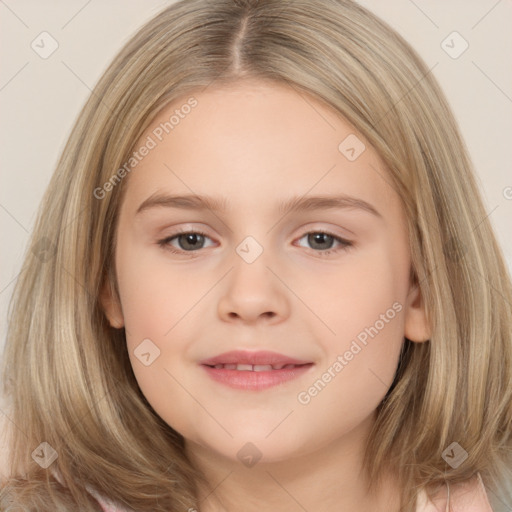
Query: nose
252, 291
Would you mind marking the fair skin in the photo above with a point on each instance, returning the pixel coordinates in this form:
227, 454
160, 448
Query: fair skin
257, 145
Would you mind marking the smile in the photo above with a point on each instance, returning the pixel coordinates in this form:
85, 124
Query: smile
254, 367
254, 370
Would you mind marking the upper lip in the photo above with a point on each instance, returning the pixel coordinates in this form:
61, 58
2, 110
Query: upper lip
254, 358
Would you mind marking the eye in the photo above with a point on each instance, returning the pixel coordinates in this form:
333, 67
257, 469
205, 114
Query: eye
188, 241
321, 239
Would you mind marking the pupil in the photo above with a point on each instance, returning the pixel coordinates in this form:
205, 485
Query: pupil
319, 238
192, 239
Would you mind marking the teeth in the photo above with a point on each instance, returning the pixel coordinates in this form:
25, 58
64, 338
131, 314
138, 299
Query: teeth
254, 368
262, 367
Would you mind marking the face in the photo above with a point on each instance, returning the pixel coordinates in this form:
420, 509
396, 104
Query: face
324, 287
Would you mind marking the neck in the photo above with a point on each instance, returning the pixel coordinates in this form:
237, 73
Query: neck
329, 479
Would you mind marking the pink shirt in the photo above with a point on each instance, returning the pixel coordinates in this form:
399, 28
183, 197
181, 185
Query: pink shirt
467, 497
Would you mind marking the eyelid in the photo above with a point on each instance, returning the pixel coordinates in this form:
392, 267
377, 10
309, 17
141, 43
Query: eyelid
306, 230
320, 227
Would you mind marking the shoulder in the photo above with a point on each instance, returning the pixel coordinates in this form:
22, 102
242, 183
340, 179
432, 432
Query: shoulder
469, 496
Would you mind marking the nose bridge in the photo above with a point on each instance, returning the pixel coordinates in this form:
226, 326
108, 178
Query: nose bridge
251, 264
256, 244
252, 288
252, 231
250, 249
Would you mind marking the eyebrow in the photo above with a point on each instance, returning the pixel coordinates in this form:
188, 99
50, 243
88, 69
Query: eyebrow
293, 204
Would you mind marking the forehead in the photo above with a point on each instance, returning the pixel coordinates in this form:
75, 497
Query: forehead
249, 140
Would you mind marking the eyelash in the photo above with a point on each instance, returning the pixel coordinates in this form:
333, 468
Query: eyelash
164, 243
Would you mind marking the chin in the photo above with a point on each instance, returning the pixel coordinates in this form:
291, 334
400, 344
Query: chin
257, 448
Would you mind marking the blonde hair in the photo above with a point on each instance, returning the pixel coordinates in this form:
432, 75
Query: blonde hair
67, 372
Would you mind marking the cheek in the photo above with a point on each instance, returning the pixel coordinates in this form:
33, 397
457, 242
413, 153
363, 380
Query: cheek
360, 359
355, 295
157, 302
155, 295
364, 310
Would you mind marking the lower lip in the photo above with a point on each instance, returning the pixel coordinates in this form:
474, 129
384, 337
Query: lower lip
255, 381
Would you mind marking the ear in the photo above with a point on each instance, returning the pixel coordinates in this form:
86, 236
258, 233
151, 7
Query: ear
417, 327
111, 305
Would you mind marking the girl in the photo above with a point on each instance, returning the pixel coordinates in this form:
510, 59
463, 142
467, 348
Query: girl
180, 337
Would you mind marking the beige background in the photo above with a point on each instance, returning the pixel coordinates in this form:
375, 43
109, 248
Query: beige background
40, 98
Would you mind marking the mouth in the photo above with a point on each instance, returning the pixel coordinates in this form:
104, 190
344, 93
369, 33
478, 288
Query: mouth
254, 371
256, 367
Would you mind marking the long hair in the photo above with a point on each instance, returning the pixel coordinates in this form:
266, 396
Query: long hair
67, 373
